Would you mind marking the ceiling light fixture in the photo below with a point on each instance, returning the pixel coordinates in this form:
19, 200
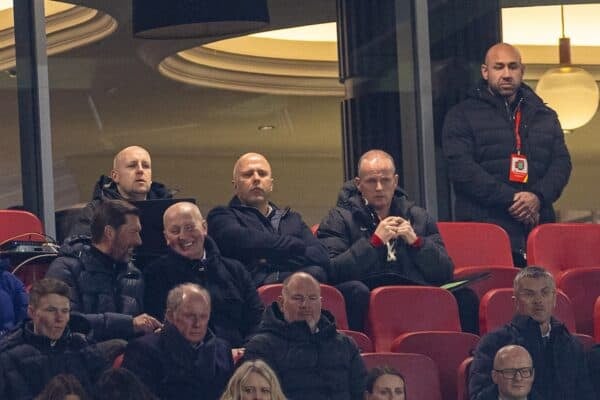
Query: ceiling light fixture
571, 91
180, 19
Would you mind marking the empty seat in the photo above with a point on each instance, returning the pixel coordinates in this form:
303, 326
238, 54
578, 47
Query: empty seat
419, 371
20, 225
582, 286
447, 349
395, 310
559, 247
477, 247
333, 301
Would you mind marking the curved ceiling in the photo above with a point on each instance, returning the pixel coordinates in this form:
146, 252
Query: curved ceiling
67, 26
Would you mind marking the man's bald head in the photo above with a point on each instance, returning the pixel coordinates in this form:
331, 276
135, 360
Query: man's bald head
372, 156
301, 299
513, 372
185, 230
503, 70
132, 172
252, 181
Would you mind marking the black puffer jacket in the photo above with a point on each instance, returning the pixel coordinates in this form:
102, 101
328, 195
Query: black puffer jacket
106, 189
109, 293
28, 361
174, 370
325, 365
560, 367
478, 140
243, 233
236, 309
346, 232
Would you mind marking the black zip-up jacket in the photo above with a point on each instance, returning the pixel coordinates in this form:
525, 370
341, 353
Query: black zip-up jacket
106, 189
560, 366
28, 361
243, 233
236, 309
346, 232
324, 365
478, 140
107, 292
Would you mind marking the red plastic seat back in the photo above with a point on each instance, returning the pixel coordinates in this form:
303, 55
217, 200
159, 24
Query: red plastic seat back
447, 349
476, 244
333, 301
364, 343
462, 379
559, 247
500, 277
20, 225
497, 308
582, 285
395, 310
597, 320
419, 371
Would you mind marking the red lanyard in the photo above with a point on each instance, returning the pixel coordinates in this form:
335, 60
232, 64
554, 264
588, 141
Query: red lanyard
517, 129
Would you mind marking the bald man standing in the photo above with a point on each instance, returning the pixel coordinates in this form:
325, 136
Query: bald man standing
194, 257
506, 152
272, 242
130, 179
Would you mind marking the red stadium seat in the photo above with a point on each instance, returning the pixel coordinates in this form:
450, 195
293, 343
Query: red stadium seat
462, 379
314, 228
419, 371
597, 320
447, 349
497, 308
365, 345
477, 247
118, 361
333, 301
560, 247
20, 225
395, 310
582, 285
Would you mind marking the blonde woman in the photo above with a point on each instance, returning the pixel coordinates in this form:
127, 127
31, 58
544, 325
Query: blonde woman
253, 380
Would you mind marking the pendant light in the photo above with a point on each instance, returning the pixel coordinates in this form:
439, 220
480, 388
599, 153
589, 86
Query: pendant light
571, 91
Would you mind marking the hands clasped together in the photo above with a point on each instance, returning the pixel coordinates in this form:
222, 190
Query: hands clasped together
526, 208
395, 227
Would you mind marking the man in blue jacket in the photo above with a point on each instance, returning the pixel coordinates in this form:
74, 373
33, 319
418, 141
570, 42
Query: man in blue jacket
561, 371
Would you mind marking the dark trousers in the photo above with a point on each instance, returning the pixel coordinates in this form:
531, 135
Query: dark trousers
356, 295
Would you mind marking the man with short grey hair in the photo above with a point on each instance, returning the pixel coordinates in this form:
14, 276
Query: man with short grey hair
561, 371
185, 359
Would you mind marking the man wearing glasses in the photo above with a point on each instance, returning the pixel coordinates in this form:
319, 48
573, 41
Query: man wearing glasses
560, 367
300, 342
513, 374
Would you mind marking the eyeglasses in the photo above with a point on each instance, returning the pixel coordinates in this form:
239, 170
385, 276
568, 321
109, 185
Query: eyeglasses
511, 373
298, 298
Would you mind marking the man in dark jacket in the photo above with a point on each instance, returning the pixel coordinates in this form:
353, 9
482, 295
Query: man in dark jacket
506, 152
271, 242
560, 367
194, 257
300, 343
45, 346
130, 179
378, 237
104, 283
13, 298
185, 360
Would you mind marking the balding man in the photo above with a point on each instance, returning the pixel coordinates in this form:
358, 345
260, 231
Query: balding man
194, 257
512, 375
271, 242
300, 342
506, 151
130, 179
377, 236
185, 360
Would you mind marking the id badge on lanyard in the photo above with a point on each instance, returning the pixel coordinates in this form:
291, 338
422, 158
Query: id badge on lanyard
518, 162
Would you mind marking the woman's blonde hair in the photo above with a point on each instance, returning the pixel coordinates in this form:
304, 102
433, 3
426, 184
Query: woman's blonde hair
239, 378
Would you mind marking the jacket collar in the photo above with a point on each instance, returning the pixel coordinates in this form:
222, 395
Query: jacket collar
274, 322
528, 324
351, 199
104, 262
211, 250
